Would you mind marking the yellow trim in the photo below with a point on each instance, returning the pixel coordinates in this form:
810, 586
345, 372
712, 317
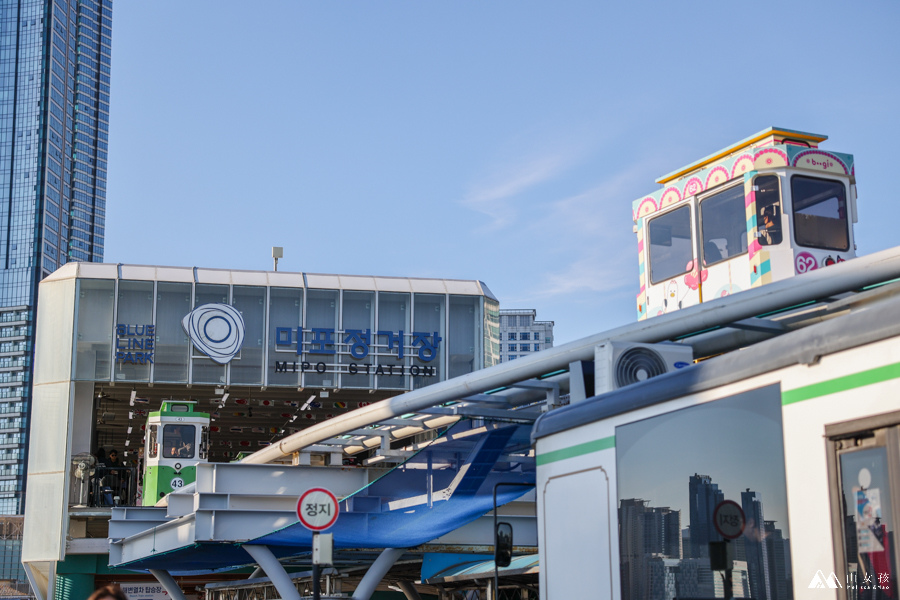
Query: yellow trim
789, 133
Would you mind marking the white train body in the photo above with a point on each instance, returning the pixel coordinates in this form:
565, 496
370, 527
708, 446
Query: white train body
802, 432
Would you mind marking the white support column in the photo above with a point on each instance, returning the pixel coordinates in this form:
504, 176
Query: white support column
376, 573
274, 570
409, 590
169, 583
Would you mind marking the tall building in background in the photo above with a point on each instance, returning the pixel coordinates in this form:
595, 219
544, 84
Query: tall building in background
704, 497
54, 119
755, 546
650, 549
521, 334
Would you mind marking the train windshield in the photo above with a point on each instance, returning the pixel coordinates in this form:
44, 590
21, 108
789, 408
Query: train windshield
820, 213
178, 441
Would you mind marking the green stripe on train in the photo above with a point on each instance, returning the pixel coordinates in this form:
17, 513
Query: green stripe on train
841, 384
578, 450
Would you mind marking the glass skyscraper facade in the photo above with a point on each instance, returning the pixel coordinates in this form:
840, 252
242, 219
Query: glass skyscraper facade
54, 122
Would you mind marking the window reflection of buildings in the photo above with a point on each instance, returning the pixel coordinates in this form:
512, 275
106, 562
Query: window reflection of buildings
660, 561
754, 545
649, 535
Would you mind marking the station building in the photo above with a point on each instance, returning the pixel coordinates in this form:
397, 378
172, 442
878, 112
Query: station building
264, 353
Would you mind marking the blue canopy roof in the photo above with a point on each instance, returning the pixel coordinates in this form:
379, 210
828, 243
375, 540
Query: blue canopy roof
394, 511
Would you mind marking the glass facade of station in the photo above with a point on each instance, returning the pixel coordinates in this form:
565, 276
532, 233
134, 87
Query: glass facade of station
131, 331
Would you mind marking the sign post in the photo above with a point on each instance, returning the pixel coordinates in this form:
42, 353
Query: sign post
729, 521
317, 510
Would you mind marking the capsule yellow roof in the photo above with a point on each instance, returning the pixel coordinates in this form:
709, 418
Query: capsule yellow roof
814, 139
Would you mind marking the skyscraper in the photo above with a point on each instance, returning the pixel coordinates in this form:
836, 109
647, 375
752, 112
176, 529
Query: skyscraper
54, 118
755, 545
704, 496
647, 533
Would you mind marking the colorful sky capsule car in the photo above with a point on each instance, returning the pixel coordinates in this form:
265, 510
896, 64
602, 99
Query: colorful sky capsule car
763, 209
177, 439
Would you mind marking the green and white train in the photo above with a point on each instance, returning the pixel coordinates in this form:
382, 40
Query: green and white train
784, 456
177, 439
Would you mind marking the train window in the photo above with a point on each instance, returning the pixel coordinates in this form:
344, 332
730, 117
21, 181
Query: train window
675, 509
820, 213
723, 225
152, 445
178, 441
204, 440
671, 246
768, 210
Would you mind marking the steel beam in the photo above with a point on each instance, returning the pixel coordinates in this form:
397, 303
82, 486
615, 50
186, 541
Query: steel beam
376, 573
169, 583
409, 590
490, 413
274, 570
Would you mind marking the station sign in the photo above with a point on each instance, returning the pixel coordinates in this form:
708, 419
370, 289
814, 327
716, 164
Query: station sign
217, 330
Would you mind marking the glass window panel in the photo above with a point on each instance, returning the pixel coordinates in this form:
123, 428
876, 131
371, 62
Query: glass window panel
723, 225
491, 332
428, 319
358, 310
768, 210
94, 329
178, 441
671, 246
667, 500
319, 347
285, 312
173, 302
464, 345
393, 316
206, 370
152, 445
135, 315
820, 213
247, 367
868, 521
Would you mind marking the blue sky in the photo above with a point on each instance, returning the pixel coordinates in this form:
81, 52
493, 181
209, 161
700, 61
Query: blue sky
501, 141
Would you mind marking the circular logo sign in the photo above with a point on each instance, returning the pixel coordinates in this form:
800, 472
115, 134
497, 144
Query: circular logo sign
217, 330
177, 483
728, 518
317, 509
805, 262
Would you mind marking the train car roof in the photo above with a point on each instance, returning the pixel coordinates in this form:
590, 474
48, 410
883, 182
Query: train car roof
775, 147
805, 346
190, 404
813, 139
